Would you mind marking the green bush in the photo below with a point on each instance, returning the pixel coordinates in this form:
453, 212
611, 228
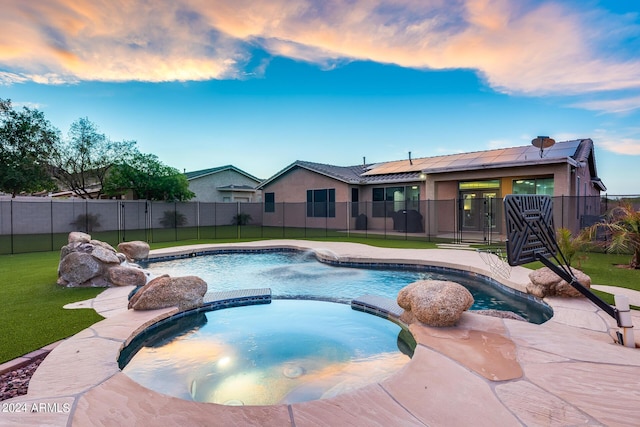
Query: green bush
570, 245
172, 219
86, 222
241, 219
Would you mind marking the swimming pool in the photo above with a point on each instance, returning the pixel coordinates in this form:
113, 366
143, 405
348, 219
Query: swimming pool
285, 352
298, 274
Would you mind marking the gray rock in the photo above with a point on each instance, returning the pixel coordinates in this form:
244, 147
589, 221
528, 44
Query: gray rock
105, 255
77, 268
103, 244
134, 250
85, 262
544, 282
434, 302
164, 291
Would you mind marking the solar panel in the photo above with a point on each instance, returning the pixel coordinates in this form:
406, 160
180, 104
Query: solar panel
530, 231
475, 159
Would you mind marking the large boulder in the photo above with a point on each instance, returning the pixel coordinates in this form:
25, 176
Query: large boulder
434, 302
79, 237
86, 262
105, 255
544, 283
134, 250
77, 269
126, 276
164, 291
102, 244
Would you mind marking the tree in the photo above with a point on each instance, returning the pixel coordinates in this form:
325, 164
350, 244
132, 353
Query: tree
82, 162
26, 141
621, 231
149, 179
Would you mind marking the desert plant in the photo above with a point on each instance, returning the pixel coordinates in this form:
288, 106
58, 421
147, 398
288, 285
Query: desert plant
172, 219
86, 222
622, 232
571, 245
241, 219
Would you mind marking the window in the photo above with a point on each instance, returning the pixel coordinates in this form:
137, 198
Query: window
269, 202
388, 200
321, 203
542, 186
355, 196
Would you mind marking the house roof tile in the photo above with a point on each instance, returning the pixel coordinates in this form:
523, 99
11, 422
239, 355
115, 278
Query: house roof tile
210, 171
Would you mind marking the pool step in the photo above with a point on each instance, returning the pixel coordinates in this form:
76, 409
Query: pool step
380, 306
237, 298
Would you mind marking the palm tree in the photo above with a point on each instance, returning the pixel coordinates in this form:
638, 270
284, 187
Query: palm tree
571, 245
622, 231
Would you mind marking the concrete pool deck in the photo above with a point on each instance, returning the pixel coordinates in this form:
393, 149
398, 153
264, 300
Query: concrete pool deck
484, 371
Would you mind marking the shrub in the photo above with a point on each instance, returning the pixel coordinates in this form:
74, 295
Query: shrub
241, 219
86, 222
570, 245
622, 231
172, 219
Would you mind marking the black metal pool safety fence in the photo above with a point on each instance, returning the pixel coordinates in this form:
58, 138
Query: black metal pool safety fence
42, 224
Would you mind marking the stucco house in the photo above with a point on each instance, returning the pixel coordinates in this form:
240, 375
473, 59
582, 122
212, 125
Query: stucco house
224, 184
437, 195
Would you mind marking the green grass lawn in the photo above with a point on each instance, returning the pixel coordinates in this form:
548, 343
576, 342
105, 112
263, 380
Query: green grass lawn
31, 303
31, 312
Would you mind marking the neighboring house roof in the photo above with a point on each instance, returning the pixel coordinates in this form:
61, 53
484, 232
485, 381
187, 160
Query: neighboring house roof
347, 174
234, 187
205, 172
577, 153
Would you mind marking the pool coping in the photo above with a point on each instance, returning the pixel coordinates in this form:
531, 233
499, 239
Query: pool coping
79, 382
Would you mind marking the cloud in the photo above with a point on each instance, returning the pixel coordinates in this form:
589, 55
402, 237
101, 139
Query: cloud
621, 141
611, 105
626, 146
534, 48
500, 143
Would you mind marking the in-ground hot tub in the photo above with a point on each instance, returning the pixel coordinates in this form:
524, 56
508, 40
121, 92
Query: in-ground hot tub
284, 352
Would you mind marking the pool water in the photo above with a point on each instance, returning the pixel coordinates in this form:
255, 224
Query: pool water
300, 275
285, 352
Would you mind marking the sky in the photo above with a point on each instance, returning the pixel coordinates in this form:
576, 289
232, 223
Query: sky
206, 83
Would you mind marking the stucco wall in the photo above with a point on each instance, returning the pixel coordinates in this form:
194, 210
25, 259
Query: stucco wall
292, 188
206, 187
